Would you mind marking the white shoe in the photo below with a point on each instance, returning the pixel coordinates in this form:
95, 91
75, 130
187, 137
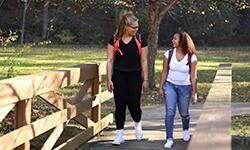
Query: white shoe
169, 143
119, 139
186, 135
138, 131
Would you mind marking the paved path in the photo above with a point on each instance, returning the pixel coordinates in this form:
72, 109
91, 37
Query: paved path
240, 108
154, 129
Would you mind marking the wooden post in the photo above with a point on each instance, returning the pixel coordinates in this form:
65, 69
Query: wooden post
95, 111
23, 117
96, 88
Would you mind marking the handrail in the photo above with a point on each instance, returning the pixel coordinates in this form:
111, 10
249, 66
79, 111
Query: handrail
213, 127
18, 93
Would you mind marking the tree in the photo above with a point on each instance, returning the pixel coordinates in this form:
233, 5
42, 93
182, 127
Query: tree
205, 20
157, 10
45, 20
24, 18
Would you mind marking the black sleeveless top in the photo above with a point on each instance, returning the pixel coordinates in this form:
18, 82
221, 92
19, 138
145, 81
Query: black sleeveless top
130, 61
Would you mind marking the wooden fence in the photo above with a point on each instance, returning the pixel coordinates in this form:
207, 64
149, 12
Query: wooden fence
17, 93
213, 127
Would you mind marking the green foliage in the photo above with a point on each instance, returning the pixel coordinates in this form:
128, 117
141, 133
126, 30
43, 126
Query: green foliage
240, 131
210, 22
240, 125
10, 64
88, 36
65, 36
9, 38
242, 4
11, 71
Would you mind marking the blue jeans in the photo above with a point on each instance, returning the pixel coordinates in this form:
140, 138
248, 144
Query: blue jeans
180, 95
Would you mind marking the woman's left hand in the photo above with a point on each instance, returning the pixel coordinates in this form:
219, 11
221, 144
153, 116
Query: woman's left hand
145, 85
194, 98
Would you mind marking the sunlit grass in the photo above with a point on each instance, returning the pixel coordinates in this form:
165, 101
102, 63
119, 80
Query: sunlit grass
39, 60
241, 125
29, 60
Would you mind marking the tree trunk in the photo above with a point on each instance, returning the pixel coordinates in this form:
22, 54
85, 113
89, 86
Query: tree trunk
155, 17
24, 19
45, 20
154, 25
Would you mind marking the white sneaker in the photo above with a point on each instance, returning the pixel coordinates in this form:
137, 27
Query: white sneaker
186, 135
138, 130
119, 139
169, 143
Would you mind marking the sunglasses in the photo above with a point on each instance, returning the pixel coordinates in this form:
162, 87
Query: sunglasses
136, 27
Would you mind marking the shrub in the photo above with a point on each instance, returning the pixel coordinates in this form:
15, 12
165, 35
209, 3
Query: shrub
65, 36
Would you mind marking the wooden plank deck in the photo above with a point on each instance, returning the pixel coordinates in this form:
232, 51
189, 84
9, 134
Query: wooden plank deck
213, 120
213, 123
153, 129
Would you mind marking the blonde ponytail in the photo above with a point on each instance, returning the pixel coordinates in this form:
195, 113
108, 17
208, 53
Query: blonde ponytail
126, 18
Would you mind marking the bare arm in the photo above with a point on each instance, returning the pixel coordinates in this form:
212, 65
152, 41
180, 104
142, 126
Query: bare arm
109, 67
144, 62
144, 65
193, 76
164, 72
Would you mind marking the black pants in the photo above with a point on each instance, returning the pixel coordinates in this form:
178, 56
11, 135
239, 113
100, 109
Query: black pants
127, 92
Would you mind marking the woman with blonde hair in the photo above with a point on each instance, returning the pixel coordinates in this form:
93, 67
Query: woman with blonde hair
178, 83
126, 63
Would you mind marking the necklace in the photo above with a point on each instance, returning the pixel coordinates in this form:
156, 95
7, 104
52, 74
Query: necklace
179, 56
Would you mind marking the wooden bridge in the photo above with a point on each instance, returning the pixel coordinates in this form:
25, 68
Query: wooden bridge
212, 130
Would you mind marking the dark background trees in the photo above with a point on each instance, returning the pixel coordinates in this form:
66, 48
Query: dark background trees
210, 22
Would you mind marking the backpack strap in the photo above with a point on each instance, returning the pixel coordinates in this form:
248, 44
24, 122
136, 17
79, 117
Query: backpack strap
170, 54
116, 45
189, 61
138, 42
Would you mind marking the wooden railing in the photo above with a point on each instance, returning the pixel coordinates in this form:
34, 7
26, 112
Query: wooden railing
17, 94
213, 127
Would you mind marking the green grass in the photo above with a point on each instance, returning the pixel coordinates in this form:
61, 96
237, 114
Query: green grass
240, 131
28, 60
34, 60
241, 125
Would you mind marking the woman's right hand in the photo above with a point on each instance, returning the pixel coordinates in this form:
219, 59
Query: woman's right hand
110, 86
161, 92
